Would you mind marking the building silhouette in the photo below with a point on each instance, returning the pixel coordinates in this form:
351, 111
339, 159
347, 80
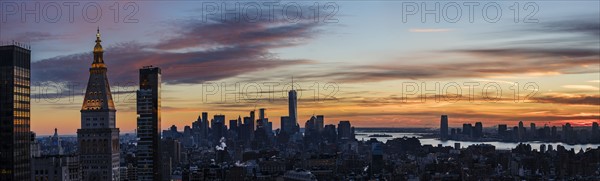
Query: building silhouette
444, 127
502, 130
320, 123
521, 131
595, 132
286, 125
292, 111
15, 63
345, 131
98, 137
56, 168
205, 125
218, 127
55, 144
478, 130
148, 125
532, 129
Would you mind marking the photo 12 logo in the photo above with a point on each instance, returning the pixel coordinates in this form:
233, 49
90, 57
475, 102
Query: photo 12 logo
272, 11
64, 93
467, 91
68, 11
456, 12
253, 92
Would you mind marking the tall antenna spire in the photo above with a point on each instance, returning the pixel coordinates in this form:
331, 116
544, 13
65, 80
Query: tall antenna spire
292, 82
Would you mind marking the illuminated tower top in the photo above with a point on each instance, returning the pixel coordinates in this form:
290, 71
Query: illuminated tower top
98, 96
98, 52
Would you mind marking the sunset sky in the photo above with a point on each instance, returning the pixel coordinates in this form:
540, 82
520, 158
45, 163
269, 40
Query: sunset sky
350, 64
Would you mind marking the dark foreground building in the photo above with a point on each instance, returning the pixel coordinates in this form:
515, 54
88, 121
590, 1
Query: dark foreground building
15, 133
148, 125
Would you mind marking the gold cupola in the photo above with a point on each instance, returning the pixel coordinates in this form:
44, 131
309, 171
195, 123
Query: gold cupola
98, 96
98, 52
98, 47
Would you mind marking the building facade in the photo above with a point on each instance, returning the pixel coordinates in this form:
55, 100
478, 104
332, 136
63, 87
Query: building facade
15, 135
56, 168
148, 125
98, 137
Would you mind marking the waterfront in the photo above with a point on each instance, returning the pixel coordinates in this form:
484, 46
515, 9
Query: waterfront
361, 135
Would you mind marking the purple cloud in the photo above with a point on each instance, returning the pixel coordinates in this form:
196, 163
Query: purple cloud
227, 50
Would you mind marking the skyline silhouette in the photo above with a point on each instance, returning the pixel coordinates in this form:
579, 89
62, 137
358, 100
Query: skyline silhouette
340, 90
194, 51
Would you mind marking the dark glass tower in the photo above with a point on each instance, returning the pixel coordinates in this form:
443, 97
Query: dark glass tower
444, 127
148, 125
98, 137
15, 132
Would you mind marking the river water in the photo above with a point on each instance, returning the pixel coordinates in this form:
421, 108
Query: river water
499, 145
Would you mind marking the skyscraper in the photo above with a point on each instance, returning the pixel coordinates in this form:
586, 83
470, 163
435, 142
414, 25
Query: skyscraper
502, 128
320, 122
310, 128
286, 125
293, 107
261, 116
204, 125
148, 124
467, 129
261, 122
478, 131
595, 132
98, 137
521, 131
233, 125
329, 133
444, 127
218, 127
532, 130
253, 118
15, 132
345, 131
263, 131
567, 132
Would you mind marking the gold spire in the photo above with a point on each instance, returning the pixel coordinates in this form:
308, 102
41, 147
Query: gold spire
98, 96
98, 47
98, 51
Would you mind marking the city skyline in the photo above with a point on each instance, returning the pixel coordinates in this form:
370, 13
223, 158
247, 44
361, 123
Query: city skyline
284, 90
369, 78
